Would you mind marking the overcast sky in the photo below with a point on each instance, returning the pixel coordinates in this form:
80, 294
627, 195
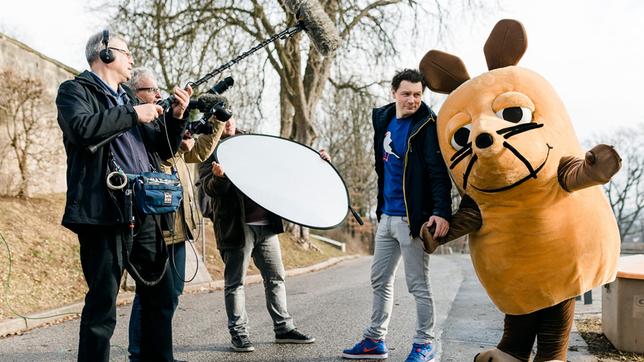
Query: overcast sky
591, 51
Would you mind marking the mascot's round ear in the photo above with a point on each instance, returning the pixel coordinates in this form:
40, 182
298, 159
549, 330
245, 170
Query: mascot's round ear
443, 72
506, 44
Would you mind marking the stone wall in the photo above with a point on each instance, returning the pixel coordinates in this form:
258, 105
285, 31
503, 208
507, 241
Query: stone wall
49, 175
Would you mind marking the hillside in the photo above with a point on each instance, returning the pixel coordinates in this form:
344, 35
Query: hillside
45, 265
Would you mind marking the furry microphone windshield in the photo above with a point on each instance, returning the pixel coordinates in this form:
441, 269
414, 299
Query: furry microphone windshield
316, 23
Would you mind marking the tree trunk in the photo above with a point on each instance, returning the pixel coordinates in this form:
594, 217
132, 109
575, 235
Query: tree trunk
286, 113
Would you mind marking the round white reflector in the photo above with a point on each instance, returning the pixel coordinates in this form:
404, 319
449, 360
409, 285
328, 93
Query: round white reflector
286, 178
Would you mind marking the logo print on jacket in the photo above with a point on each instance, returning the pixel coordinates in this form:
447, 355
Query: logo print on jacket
389, 147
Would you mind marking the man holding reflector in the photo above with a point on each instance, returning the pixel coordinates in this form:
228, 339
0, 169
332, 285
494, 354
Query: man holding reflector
244, 229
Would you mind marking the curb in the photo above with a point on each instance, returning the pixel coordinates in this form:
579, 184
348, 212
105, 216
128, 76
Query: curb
578, 348
19, 325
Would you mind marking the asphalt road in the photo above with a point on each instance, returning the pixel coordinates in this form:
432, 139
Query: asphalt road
333, 305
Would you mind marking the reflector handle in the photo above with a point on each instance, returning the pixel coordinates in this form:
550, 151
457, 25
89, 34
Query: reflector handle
356, 215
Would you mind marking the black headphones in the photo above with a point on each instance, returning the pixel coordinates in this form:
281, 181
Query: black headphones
106, 54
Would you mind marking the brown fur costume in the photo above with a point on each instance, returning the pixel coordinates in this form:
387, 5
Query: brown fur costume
541, 229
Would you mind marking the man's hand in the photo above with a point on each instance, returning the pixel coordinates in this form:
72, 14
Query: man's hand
187, 144
217, 169
181, 100
147, 113
429, 244
325, 156
442, 226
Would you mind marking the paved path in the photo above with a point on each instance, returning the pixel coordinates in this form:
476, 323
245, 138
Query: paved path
475, 324
333, 305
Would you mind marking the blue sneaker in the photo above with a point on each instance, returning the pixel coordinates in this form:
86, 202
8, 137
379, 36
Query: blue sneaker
367, 349
421, 353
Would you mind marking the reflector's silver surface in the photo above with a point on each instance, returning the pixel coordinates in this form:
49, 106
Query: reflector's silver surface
286, 178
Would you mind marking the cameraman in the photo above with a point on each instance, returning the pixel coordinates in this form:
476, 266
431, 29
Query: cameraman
92, 108
183, 225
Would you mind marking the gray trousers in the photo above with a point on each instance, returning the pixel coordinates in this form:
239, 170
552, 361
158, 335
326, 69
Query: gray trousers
392, 241
264, 247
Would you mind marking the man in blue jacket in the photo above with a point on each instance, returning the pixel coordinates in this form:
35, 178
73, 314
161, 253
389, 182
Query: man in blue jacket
413, 187
92, 108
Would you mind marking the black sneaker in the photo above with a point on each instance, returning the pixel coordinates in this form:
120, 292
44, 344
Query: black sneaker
242, 343
293, 336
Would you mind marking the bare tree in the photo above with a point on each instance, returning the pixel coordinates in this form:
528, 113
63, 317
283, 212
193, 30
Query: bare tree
345, 125
183, 39
24, 122
626, 190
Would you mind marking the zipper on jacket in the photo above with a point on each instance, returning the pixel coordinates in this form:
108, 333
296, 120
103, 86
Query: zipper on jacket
405, 167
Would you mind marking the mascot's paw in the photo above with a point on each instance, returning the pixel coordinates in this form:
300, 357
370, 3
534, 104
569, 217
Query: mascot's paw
426, 235
494, 355
602, 162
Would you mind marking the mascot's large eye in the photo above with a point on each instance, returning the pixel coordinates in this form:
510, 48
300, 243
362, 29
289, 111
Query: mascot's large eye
515, 114
461, 137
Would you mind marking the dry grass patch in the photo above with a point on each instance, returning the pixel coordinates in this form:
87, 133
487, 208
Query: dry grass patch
45, 263
591, 330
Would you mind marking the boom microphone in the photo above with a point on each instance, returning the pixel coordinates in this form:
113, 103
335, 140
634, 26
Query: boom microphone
311, 18
316, 23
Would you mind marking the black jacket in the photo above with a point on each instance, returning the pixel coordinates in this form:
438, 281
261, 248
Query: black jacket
228, 209
85, 120
426, 182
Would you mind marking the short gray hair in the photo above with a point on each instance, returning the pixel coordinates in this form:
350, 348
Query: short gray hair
138, 74
95, 45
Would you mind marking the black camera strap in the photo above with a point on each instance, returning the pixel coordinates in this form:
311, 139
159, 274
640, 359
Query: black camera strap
153, 274
130, 217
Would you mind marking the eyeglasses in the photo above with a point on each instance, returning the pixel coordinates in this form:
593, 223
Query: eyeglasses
148, 89
125, 52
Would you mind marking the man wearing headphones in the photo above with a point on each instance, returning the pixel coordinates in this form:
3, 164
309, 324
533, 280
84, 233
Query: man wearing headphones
92, 108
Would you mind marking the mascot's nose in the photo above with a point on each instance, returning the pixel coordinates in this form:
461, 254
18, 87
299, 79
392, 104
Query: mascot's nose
484, 140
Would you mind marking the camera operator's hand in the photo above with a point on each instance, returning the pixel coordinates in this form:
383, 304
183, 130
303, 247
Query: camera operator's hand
187, 144
324, 155
181, 100
148, 112
217, 169
229, 128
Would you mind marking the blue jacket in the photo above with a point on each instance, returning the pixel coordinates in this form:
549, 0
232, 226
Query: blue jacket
426, 183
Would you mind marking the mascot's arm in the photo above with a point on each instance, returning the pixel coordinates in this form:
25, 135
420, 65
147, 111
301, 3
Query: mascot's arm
599, 165
467, 219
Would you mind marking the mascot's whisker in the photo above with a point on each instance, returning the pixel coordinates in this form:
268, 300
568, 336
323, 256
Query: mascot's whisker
466, 175
529, 176
461, 157
519, 128
465, 148
521, 158
517, 131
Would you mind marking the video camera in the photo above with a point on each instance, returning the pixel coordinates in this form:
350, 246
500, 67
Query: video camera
212, 108
210, 104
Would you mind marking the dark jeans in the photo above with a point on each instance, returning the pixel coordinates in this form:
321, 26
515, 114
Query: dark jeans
101, 254
550, 326
177, 268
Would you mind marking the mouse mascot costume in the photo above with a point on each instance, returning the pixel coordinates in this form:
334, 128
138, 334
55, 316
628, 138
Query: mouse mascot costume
541, 231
